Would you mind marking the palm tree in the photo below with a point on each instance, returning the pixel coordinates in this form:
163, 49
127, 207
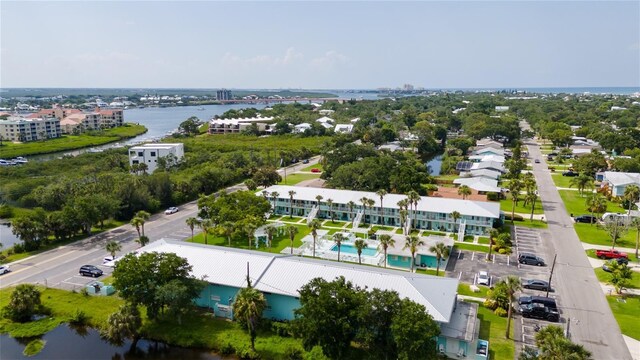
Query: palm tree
250, 229
552, 344
271, 231
414, 198
531, 198
370, 203
291, 194
403, 220
112, 248
360, 245
292, 231
314, 225
143, 240
515, 186
123, 324
144, 216
512, 285
402, 204
274, 196
364, 202
137, 222
319, 198
596, 204
631, 194
330, 204
227, 228
455, 216
493, 234
351, 205
581, 182
248, 307
412, 243
385, 241
442, 251
465, 191
338, 238
192, 223
381, 193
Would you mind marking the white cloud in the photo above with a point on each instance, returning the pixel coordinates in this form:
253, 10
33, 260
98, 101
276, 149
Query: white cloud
330, 60
290, 57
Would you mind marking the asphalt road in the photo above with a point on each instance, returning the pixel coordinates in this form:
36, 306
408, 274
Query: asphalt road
591, 321
59, 267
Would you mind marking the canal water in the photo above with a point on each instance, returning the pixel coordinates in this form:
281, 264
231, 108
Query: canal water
7, 239
68, 343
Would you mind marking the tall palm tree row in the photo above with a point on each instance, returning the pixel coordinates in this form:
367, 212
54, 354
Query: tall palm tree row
413, 198
207, 227
515, 186
371, 203
144, 216
271, 232
455, 216
365, 202
384, 242
412, 243
381, 193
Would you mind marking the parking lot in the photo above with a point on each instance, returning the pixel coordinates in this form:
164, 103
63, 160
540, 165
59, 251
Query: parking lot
465, 266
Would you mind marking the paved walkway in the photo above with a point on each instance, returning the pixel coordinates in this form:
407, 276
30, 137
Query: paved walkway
592, 322
587, 246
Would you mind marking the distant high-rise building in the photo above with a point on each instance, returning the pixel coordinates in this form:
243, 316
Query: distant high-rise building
223, 94
407, 87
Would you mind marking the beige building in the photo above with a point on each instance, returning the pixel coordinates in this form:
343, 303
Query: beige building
29, 129
72, 119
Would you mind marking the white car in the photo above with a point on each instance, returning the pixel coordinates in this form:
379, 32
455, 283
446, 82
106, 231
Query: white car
171, 210
484, 278
4, 269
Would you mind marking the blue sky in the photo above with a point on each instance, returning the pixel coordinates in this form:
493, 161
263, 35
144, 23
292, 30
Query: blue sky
319, 45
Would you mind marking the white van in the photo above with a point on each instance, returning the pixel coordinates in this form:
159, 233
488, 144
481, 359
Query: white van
611, 217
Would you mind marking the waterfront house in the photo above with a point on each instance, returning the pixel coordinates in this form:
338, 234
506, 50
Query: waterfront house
433, 213
150, 153
280, 277
237, 125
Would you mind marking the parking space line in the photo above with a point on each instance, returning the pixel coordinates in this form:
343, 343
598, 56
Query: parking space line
472, 255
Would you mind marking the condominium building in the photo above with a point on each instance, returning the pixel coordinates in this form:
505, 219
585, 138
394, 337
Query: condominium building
232, 126
26, 129
75, 119
223, 94
150, 153
476, 217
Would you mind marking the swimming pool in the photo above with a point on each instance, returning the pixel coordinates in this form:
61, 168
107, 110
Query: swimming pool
350, 249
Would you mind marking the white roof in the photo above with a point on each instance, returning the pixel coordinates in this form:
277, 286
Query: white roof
344, 128
285, 274
484, 158
621, 178
303, 126
355, 120
488, 165
486, 173
483, 149
325, 119
326, 125
236, 121
428, 204
156, 146
479, 184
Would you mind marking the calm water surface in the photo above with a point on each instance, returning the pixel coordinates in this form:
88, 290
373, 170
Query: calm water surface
65, 343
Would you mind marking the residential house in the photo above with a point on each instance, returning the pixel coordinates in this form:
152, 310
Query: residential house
150, 153
618, 181
344, 128
300, 128
237, 125
490, 165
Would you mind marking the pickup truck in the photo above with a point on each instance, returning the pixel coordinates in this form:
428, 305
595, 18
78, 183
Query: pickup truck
610, 254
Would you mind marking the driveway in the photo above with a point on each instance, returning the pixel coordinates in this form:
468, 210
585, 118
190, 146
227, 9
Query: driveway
592, 322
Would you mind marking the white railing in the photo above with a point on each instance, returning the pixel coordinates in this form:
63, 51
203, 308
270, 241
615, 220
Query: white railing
357, 220
312, 214
461, 230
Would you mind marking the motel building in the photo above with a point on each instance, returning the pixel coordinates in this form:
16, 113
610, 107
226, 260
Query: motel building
477, 217
280, 277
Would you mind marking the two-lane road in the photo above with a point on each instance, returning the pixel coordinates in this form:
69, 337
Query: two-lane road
591, 321
59, 267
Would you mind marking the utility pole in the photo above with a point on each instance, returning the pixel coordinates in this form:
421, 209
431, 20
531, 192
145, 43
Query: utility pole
550, 275
248, 278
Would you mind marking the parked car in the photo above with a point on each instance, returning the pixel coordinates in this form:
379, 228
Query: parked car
536, 285
537, 161
589, 219
569, 173
530, 259
4, 269
171, 210
315, 170
621, 261
305, 161
539, 311
611, 254
546, 301
90, 270
484, 278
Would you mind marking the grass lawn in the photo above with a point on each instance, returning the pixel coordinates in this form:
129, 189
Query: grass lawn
626, 314
380, 227
493, 328
483, 240
506, 205
604, 277
316, 166
576, 204
594, 234
336, 223
293, 179
430, 272
465, 289
471, 247
94, 231
70, 142
562, 181
279, 242
535, 224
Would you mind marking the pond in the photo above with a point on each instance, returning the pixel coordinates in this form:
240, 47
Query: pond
65, 342
434, 165
7, 238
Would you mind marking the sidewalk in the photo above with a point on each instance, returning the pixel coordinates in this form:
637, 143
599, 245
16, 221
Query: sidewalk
607, 247
528, 216
609, 290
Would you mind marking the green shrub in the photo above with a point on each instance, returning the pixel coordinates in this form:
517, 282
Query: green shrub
34, 347
294, 353
494, 196
18, 248
248, 354
316, 354
6, 211
84, 291
281, 328
79, 318
502, 251
500, 312
490, 304
516, 217
227, 349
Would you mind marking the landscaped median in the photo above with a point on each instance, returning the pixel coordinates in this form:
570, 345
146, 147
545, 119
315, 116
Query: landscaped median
71, 142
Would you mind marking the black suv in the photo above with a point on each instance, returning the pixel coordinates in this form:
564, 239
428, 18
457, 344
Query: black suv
586, 219
546, 301
539, 311
530, 259
569, 173
90, 270
621, 261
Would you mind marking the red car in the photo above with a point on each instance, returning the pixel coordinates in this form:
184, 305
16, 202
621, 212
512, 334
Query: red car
611, 254
315, 170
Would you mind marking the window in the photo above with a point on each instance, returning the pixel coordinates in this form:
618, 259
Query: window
135, 161
153, 153
215, 298
140, 153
